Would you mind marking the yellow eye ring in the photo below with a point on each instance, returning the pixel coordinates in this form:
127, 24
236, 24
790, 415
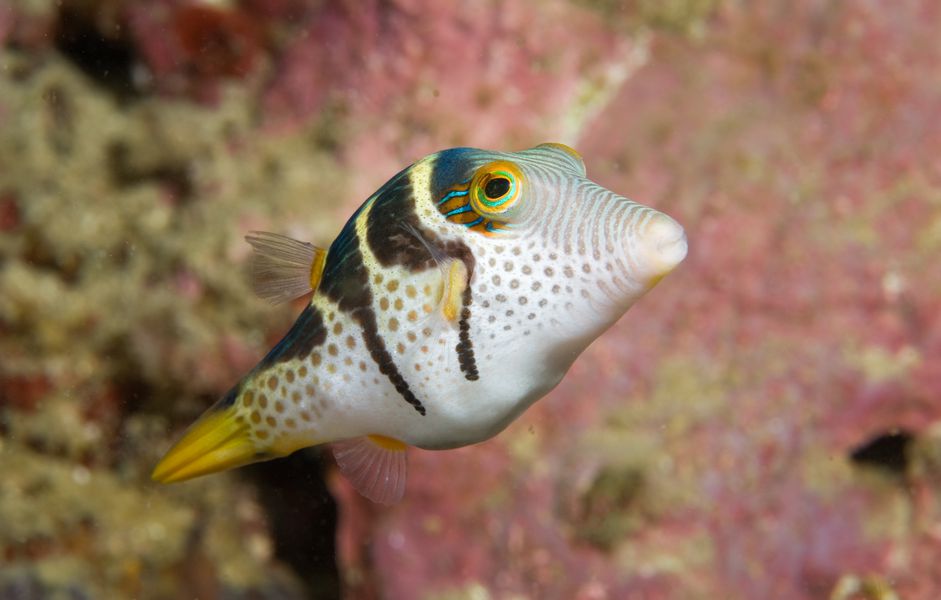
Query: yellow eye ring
495, 188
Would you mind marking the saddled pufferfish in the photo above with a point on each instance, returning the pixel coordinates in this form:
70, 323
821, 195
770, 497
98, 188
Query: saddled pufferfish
457, 295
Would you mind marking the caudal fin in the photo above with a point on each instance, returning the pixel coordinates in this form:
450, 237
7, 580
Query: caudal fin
219, 440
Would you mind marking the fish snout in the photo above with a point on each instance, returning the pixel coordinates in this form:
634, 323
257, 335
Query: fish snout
662, 246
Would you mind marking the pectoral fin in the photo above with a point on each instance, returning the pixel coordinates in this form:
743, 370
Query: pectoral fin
454, 282
284, 268
375, 465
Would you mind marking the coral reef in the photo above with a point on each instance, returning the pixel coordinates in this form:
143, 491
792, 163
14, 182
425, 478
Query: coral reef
768, 426
126, 309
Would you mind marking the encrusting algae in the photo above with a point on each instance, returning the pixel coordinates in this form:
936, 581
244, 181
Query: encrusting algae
113, 221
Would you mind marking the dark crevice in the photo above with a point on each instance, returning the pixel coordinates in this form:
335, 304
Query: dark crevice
303, 519
888, 452
107, 59
175, 176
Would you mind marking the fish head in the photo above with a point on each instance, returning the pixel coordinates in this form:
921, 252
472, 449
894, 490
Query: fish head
558, 258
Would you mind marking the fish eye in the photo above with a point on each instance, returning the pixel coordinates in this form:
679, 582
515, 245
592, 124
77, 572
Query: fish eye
495, 189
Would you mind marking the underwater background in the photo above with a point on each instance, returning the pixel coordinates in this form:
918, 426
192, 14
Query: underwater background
767, 424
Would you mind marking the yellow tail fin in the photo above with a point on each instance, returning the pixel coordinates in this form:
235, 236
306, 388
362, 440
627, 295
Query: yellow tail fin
219, 440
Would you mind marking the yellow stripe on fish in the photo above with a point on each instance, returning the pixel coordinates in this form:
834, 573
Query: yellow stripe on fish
456, 296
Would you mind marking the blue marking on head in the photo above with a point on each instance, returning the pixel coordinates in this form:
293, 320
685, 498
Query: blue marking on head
451, 167
457, 211
453, 194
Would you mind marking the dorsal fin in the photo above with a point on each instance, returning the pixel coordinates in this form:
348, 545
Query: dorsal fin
284, 268
375, 465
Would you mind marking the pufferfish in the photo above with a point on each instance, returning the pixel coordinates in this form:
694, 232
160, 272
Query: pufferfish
456, 296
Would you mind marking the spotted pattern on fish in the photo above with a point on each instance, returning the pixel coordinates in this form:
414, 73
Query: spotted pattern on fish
466, 286
346, 282
307, 333
397, 237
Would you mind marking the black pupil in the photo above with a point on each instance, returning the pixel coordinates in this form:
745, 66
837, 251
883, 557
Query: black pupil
497, 187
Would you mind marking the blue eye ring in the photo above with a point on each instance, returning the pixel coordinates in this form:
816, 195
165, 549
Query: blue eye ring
495, 188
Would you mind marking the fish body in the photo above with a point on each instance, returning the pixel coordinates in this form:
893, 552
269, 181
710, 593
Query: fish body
456, 296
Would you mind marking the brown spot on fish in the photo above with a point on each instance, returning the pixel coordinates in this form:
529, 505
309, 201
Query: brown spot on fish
262, 400
307, 333
345, 279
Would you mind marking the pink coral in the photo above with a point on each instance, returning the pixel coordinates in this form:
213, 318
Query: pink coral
795, 142
189, 47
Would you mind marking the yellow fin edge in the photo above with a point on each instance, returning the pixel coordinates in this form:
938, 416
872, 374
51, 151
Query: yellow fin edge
316, 267
387, 443
455, 284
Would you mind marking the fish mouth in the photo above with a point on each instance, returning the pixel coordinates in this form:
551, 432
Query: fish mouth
663, 246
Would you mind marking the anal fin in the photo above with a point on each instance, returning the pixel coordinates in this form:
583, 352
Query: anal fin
375, 465
284, 268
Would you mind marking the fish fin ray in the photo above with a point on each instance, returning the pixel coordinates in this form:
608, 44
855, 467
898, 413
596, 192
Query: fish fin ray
284, 268
375, 465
